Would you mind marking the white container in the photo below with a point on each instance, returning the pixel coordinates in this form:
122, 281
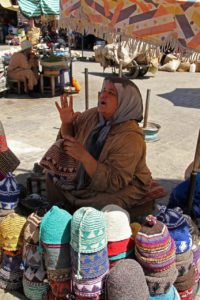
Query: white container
192, 68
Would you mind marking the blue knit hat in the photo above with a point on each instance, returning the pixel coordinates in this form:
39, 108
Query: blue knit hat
9, 192
55, 227
172, 294
179, 196
177, 226
172, 218
88, 230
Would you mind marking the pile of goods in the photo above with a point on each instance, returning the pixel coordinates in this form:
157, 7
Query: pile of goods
53, 64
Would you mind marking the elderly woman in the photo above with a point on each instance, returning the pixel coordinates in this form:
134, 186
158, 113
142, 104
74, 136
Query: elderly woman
23, 66
108, 146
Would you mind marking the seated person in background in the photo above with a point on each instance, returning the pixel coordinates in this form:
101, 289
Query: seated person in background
109, 148
23, 66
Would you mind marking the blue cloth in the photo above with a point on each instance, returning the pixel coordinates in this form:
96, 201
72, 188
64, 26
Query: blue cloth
9, 192
172, 218
182, 238
179, 196
172, 294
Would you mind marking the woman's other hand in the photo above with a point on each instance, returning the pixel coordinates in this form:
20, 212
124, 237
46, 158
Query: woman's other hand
74, 149
67, 114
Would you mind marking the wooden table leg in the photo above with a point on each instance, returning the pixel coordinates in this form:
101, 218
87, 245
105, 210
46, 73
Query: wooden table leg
42, 84
53, 86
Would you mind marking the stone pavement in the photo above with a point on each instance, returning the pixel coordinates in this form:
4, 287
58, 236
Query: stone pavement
31, 125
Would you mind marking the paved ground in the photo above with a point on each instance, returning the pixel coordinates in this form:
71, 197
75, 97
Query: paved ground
31, 125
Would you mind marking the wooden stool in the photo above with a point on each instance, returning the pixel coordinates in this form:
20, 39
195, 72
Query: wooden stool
53, 83
19, 83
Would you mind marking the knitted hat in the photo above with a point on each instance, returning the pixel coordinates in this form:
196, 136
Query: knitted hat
55, 227
115, 248
154, 247
9, 192
35, 291
118, 223
126, 281
184, 262
187, 295
35, 202
61, 289
31, 256
172, 218
88, 230
11, 231
60, 163
57, 258
182, 239
172, 294
160, 282
35, 274
92, 264
186, 281
31, 229
8, 161
88, 287
59, 275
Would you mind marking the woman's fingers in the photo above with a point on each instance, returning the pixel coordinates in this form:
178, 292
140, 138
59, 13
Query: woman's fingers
71, 102
58, 106
64, 101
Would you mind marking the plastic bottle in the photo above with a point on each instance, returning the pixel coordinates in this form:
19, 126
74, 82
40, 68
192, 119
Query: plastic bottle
192, 68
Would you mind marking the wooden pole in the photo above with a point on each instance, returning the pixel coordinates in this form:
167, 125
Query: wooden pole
146, 112
86, 90
193, 175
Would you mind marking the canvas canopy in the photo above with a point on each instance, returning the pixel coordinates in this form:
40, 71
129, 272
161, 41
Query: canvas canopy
36, 8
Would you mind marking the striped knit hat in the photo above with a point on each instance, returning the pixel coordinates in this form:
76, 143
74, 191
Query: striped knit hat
55, 227
9, 192
11, 232
35, 290
8, 161
88, 230
117, 222
154, 248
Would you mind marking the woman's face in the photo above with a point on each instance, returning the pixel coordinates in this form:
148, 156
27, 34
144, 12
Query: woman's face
108, 102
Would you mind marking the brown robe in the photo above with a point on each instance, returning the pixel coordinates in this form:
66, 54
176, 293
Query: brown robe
20, 69
122, 176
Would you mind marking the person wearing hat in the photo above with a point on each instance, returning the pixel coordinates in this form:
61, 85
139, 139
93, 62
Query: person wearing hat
22, 66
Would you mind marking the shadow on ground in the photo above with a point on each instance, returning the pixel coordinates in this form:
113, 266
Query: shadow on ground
184, 97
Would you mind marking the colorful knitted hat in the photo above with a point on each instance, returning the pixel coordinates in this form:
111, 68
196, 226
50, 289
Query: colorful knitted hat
9, 192
88, 230
57, 258
187, 295
35, 291
117, 222
35, 274
8, 161
126, 281
92, 264
61, 289
55, 227
172, 218
88, 287
11, 232
154, 247
172, 294
60, 163
160, 282
127, 254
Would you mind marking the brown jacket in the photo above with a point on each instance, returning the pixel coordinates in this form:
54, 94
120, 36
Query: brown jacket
122, 176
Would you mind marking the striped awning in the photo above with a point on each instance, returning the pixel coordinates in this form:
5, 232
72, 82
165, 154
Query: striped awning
36, 8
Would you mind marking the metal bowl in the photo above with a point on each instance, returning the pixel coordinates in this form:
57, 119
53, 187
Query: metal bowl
151, 132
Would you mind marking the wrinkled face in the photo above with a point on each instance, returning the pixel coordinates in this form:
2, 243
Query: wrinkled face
108, 103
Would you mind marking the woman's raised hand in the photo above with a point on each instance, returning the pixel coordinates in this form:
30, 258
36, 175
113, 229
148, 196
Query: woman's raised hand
67, 114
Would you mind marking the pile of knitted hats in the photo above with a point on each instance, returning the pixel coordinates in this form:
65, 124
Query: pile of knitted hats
35, 284
11, 241
179, 231
8, 160
54, 239
155, 250
120, 242
89, 257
